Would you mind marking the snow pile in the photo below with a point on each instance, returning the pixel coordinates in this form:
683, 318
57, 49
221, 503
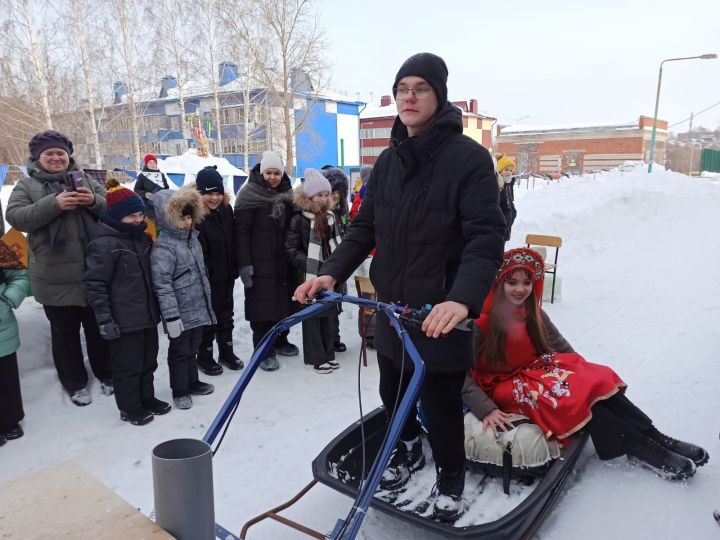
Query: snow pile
638, 263
190, 163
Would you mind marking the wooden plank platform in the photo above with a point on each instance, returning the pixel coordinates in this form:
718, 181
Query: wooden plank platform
65, 501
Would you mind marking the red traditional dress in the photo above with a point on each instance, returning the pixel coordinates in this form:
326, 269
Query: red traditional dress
555, 390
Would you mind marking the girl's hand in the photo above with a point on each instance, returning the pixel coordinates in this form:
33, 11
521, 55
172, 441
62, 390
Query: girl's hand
497, 420
85, 197
67, 200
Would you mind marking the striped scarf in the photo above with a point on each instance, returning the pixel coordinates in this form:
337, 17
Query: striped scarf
315, 251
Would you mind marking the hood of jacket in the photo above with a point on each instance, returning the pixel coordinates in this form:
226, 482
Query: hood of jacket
448, 120
169, 205
304, 204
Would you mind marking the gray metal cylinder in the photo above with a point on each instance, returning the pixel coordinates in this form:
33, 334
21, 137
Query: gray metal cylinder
183, 486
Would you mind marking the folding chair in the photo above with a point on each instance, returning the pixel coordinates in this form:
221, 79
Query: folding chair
533, 240
366, 318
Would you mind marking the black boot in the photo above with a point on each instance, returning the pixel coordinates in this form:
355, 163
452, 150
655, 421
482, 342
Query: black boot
698, 455
651, 455
156, 406
449, 504
227, 356
397, 474
199, 388
205, 361
138, 417
339, 346
15, 432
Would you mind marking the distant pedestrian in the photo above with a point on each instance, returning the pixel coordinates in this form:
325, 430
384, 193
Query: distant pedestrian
506, 183
149, 181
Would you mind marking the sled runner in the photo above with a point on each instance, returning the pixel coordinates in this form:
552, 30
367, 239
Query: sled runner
340, 465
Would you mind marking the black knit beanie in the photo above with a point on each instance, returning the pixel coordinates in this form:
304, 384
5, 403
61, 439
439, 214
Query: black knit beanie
208, 180
430, 67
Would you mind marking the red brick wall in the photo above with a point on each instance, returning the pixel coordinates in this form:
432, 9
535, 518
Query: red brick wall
626, 145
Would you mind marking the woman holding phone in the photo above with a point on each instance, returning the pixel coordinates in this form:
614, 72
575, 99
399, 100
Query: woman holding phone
58, 206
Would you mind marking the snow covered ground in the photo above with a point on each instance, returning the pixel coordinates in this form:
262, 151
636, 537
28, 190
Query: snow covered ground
640, 292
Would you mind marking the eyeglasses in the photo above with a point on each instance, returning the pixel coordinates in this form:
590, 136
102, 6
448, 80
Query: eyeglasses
419, 93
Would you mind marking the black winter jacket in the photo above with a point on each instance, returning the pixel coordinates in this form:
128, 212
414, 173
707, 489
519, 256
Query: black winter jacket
431, 209
217, 238
260, 241
144, 185
507, 205
118, 282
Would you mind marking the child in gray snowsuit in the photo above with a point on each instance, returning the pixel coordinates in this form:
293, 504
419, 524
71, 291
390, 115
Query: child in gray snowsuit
182, 288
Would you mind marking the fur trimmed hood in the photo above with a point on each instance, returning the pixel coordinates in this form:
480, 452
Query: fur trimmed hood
304, 204
169, 205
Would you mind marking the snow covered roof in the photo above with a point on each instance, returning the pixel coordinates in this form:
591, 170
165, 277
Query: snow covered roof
191, 163
524, 129
379, 111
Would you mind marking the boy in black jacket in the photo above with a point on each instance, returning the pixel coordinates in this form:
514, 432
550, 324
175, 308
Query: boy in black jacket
118, 287
217, 237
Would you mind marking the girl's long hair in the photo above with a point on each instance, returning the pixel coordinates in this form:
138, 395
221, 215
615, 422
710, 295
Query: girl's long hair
493, 349
321, 224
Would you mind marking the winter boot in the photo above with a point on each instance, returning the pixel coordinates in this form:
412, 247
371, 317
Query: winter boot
285, 348
183, 402
231, 361
199, 388
414, 456
156, 406
397, 474
138, 417
107, 388
698, 455
339, 346
333, 364
448, 491
270, 363
15, 432
649, 454
205, 362
3, 440
81, 397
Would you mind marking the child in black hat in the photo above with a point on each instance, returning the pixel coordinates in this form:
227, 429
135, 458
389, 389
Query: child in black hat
217, 237
118, 287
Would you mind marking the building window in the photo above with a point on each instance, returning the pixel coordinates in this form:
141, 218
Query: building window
372, 150
375, 133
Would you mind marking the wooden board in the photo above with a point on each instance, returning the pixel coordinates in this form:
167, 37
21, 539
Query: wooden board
64, 501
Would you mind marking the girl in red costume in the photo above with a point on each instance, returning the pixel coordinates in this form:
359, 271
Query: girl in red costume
525, 366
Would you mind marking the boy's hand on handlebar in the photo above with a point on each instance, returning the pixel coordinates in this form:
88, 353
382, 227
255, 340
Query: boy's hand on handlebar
312, 286
443, 317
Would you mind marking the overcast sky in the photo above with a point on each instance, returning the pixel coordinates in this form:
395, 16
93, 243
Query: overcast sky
552, 61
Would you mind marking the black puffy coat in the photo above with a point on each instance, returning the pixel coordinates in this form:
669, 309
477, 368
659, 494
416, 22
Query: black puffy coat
260, 225
431, 209
144, 185
217, 238
507, 205
118, 282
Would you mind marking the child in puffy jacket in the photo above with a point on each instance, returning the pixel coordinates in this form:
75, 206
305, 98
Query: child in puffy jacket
119, 289
311, 238
182, 288
14, 285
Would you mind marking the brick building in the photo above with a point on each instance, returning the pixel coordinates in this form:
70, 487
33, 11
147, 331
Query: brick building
571, 148
376, 121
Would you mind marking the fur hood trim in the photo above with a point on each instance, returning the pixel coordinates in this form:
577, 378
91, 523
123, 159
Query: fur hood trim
169, 205
304, 204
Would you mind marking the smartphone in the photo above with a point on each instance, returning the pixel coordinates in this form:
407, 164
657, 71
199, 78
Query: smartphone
78, 179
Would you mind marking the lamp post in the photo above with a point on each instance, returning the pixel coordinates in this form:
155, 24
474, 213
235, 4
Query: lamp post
657, 99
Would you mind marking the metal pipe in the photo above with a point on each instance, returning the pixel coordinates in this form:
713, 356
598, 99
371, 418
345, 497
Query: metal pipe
183, 487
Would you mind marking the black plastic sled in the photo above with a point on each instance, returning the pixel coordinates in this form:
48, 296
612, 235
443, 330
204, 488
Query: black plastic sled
339, 466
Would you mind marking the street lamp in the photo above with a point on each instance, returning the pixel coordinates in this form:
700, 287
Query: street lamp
657, 99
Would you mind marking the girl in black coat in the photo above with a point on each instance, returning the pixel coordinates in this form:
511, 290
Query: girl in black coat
118, 288
262, 212
148, 182
311, 238
506, 183
217, 238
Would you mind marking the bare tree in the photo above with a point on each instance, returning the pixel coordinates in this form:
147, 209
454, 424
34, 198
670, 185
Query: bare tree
209, 20
123, 12
286, 45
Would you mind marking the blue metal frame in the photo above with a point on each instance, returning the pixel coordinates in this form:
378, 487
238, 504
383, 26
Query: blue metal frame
344, 529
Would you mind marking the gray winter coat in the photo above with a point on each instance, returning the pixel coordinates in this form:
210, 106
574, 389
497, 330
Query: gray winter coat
57, 238
178, 269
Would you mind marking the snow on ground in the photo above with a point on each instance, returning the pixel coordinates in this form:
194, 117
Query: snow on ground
639, 292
